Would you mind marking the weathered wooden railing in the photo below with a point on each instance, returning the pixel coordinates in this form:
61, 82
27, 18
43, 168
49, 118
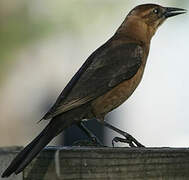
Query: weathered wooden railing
74, 163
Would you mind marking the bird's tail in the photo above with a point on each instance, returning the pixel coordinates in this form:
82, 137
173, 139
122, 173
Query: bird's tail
23, 158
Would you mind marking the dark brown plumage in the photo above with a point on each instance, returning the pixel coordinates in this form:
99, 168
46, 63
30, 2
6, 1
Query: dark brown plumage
107, 78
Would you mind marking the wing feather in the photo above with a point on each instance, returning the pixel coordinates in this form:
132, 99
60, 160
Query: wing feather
104, 69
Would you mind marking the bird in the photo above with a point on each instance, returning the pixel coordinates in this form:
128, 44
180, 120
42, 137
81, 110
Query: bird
107, 78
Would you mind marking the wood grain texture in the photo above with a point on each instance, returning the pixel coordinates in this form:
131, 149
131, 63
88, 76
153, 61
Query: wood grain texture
109, 164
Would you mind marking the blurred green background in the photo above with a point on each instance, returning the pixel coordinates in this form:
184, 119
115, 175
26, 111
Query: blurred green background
43, 43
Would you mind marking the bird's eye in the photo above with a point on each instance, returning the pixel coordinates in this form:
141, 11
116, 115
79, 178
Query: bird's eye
156, 11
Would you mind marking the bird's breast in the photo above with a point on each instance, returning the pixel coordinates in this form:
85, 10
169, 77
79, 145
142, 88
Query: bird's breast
116, 96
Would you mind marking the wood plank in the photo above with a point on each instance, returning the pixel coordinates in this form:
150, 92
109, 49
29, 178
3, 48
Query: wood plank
74, 163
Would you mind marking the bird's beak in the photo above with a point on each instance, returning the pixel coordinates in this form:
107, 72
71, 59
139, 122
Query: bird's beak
171, 11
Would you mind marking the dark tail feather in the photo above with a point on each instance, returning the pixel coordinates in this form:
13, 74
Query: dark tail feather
32, 149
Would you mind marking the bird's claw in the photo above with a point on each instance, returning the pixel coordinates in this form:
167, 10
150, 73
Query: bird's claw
128, 139
95, 140
118, 139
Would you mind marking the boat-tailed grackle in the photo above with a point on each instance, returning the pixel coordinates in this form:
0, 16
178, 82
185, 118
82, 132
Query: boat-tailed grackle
107, 78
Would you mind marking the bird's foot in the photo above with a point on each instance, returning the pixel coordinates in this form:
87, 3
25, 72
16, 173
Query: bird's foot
95, 140
128, 139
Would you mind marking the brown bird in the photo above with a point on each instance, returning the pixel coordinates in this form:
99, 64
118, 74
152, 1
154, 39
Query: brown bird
106, 79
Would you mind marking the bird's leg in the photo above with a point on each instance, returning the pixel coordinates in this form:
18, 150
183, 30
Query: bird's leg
129, 139
94, 139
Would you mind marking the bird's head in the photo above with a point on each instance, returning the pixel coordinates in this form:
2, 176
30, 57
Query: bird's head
154, 15
146, 18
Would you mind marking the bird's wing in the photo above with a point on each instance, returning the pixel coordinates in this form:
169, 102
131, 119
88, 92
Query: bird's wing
104, 69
